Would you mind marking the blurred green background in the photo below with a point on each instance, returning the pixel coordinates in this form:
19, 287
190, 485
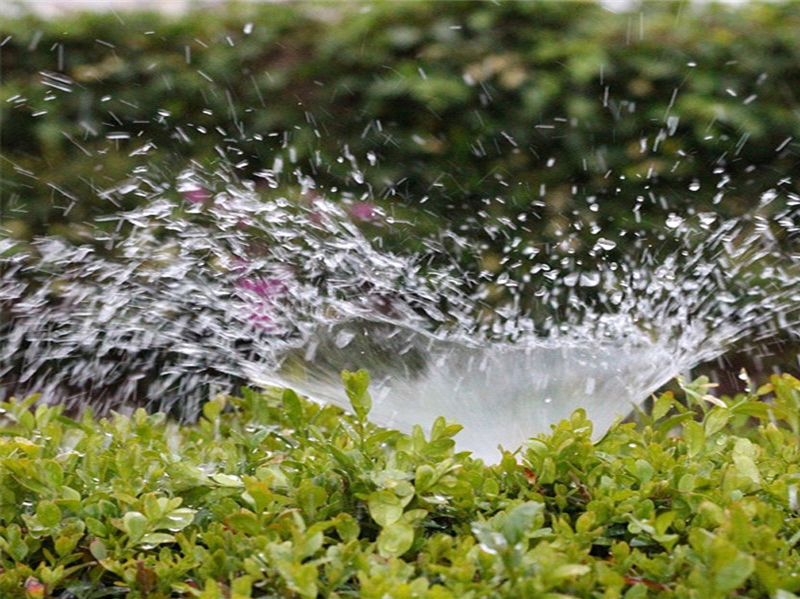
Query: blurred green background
560, 121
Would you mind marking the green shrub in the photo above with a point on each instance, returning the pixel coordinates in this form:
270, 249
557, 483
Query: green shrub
269, 495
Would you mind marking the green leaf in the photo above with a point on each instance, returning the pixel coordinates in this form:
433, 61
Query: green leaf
311, 543
663, 405
694, 436
385, 507
156, 538
716, 420
242, 587
212, 409
244, 521
643, 471
521, 520
731, 569
98, 549
69, 499
347, 527
52, 473
151, 506
424, 478
14, 544
566, 571
294, 408
686, 483
356, 384
96, 527
395, 539
310, 498
48, 514
300, 578
747, 468
65, 544
135, 524
547, 473
176, 520
227, 480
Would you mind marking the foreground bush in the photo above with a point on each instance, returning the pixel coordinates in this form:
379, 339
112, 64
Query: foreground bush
268, 495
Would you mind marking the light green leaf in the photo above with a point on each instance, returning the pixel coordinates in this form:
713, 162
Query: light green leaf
156, 538
747, 468
300, 578
716, 421
176, 519
395, 539
643, 471
424, 478
385, 507
310, 498
48, 514
212, 409
14, 544
65, 544
135, 524
663, 405
732, 571
294, 408
227, 480
98, 549
242, 587
347, 527
570, 571
151, 506
694, 436
521, 520
356, 384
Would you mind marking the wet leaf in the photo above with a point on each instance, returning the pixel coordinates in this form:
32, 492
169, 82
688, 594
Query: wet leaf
135, 524
395, 539
356, 384
385, 507
48, 514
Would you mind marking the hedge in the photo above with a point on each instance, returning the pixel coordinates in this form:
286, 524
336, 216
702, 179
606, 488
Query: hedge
271, 496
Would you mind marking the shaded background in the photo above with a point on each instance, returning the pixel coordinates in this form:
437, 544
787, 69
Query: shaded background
564, 122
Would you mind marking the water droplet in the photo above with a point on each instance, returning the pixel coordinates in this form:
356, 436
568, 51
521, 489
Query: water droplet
606, 244
343, 338
674, 221
590, 279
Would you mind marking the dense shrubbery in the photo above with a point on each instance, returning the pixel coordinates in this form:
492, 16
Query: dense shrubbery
270, 496
553, 122
549, 108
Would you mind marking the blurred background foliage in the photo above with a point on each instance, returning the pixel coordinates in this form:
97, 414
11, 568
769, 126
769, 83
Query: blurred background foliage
558, 123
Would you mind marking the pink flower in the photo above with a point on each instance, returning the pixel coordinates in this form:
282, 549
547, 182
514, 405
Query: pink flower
263, 288
261, 309
197, 195
363, 211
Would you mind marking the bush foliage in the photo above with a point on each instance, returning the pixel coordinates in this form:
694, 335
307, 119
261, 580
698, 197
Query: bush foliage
551, 119
268, 495
470, 111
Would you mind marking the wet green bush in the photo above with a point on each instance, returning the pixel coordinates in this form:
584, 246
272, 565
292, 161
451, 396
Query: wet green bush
269, 495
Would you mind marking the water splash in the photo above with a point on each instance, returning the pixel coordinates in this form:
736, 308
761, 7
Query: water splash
186, 298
